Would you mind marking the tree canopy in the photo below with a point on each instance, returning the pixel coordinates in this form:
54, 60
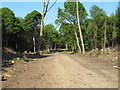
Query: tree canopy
98, 31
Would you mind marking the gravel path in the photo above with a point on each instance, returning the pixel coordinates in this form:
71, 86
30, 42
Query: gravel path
65, 71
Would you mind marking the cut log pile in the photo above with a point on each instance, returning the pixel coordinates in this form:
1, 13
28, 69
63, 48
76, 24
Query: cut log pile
107, 54
97, 52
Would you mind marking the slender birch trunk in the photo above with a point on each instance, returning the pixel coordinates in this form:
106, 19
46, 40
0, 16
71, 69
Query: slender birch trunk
83, 49
55, 46
77, 39
66, 45
34, 44
41, 25
45, 10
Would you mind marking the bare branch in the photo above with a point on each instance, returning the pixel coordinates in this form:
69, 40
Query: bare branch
44, 6
47, 4
52, 5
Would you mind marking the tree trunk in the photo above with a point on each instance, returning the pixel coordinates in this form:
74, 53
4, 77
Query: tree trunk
73, 49
77, 39
113, 43
91, 44
6, 44
45, 10
46, 47
41, 26
41, 29
66, 45
102, 42
83, 49
113, 37
16, 47
94, 41
59, 47
55, 46
95, 33
105, 39
34, 48
50, 46
48, 50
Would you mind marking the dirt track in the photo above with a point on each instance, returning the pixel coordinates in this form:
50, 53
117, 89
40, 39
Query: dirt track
65, 71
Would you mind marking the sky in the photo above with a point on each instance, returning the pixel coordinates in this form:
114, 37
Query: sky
21, 9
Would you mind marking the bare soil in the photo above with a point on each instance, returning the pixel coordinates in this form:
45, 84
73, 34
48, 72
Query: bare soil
63, 71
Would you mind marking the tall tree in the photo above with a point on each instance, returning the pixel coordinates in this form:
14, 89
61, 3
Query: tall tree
96, 14
10, 26
89, 29
104, 20
68, 34
113, 19
50, 36
80, 27
31, 22
118, 23
69, 15
46, 9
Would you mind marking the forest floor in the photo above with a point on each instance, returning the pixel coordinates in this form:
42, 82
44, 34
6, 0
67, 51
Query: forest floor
63, 71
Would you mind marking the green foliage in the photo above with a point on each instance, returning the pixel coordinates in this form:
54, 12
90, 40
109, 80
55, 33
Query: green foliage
10, 23
50, 36
68, 14
118, 23
70, 9
67, 20
10, 28
16, 30
66, 30
99, 20
32, 20
96, 12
